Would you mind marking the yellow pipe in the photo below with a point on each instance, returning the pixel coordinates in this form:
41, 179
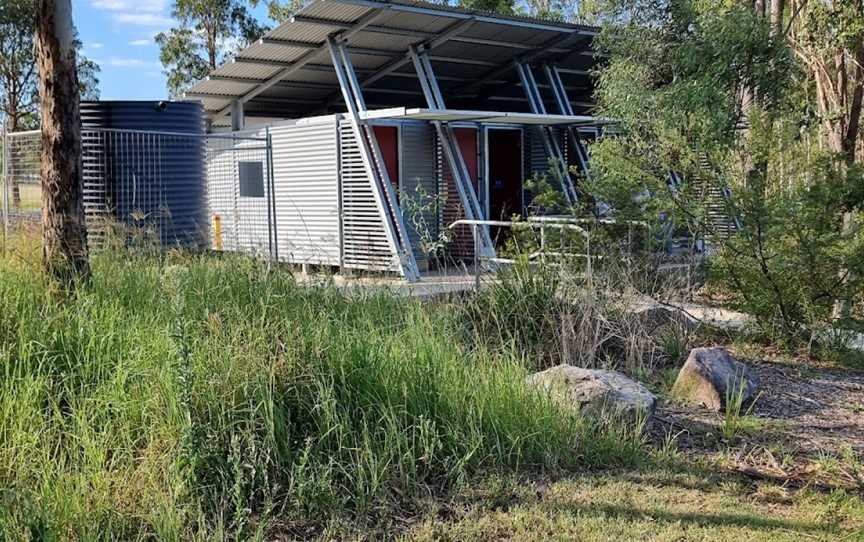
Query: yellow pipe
217, 231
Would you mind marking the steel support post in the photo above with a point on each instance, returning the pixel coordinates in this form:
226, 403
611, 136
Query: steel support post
547, 135
382, 189
452, 152
563, 103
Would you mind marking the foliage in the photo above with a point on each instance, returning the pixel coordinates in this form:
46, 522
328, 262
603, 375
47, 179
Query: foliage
710, 93
421, 210
828, 37
674, 82
200, 398
19, 93
209, 32
790, 261
556, 312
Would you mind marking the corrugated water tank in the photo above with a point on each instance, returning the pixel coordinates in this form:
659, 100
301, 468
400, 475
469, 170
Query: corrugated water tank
144, 166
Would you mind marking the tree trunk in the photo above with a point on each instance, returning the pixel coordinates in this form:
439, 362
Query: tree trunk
777, 7
64, 234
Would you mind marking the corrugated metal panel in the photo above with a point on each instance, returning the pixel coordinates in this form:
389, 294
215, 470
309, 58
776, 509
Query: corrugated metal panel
229, 89
282, 53
536, 159
152, 178
244, 220
303, 32
335, 11
364, 238
419, 194
335, 16
306, 178
245, 70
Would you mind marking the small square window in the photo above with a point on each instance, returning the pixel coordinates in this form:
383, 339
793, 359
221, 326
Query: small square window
251, 179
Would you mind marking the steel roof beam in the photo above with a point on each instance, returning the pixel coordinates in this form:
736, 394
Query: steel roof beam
405, 32
310, 55
439, 39
311, 45
452, 14
458, 60
528, 57
256, 81
435, 41
212, 96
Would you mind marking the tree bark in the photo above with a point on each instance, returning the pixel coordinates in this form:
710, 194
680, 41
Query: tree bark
777, 7
64, 234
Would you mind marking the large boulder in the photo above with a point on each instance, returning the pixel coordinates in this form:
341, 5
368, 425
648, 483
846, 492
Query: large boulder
710, 375
596, 392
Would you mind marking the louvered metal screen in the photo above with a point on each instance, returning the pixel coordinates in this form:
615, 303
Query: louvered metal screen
364, 238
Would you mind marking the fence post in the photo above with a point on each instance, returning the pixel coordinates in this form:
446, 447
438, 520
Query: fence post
5, 183
271, 200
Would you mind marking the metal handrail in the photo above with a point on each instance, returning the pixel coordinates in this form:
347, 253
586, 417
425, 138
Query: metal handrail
476, 223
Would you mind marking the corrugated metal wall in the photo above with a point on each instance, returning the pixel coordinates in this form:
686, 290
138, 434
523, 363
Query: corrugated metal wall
306, 179
419, 195
364, 238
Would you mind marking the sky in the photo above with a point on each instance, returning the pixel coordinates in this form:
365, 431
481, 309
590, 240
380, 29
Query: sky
118, 35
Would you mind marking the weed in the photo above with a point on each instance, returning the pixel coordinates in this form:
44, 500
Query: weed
734, 421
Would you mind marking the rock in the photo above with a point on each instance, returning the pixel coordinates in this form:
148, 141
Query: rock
595, 392
710, 375
654, 317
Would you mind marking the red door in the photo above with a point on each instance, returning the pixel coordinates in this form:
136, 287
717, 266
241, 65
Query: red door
388, 142
466, 139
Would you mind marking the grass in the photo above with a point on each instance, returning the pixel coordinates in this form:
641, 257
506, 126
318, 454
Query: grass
734, 420
658, 504
196, 398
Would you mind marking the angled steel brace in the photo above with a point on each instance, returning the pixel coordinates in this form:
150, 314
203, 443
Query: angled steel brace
367, 143
452, 152
563, 103
547, 135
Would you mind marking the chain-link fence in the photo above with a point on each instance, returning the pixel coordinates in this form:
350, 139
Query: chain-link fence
167, 189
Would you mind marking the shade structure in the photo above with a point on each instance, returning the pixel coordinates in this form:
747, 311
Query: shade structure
486, 117
288, 74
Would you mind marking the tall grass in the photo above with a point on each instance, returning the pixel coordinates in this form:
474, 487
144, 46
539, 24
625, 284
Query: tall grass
209, 398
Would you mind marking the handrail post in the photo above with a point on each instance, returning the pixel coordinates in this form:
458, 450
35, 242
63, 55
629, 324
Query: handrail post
588, 257
543, 243
476, 237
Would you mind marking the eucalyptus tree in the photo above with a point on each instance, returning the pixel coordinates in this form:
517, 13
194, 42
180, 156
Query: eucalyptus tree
19, 93
64, 233
209, 32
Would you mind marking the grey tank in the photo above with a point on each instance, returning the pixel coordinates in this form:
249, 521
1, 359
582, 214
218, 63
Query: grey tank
144, 166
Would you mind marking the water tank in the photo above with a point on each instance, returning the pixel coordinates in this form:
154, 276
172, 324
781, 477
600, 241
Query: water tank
144, 164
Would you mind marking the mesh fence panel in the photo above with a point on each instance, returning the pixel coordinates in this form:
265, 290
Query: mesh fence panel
171, 189
22, 187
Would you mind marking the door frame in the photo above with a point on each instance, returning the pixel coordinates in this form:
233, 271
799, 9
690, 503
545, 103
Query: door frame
486, 155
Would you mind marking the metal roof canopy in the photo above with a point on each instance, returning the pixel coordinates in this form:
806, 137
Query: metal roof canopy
288, 71
490, 117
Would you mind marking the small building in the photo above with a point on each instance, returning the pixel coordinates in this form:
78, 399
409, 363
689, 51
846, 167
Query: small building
390, 120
